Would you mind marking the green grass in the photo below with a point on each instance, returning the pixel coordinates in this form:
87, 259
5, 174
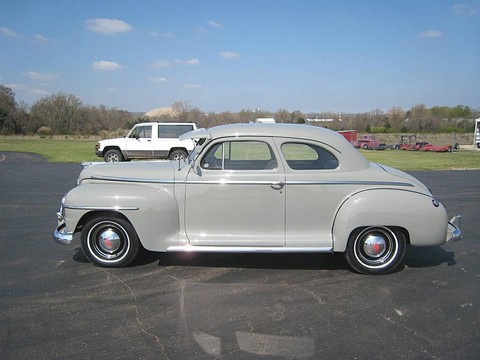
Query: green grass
77, 151
54, 150
419, 160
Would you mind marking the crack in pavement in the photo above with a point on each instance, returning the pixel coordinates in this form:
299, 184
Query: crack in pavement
137, 313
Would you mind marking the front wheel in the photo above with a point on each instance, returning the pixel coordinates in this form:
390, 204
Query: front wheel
113, 155
110, 241
375, 250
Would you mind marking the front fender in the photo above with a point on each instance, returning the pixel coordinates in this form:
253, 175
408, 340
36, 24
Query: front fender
151, 209
419, 214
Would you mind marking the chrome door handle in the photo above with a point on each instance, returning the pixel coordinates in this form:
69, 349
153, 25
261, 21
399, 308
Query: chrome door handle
277, 185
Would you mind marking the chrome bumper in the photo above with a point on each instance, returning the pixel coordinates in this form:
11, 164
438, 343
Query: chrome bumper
61, 235
453, 232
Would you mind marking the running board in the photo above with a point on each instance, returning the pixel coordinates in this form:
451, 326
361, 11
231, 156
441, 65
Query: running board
244, 249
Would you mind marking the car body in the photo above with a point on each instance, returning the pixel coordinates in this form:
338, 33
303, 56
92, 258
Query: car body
255, 188
151, 140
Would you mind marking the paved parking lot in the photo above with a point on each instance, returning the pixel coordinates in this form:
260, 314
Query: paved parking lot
56, 305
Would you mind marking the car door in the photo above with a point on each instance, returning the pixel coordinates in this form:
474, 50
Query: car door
235, 196
139, 142
312, 173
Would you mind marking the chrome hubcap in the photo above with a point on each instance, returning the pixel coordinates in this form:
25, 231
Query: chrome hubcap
374, 246
109, 241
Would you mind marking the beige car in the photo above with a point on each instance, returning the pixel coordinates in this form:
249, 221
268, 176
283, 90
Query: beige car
255, 188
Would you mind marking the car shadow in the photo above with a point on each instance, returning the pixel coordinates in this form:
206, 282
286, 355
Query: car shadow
428, 256
415, 257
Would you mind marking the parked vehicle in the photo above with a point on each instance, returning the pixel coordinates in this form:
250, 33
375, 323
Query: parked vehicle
367, 142
151, 140
409, 142
255, 188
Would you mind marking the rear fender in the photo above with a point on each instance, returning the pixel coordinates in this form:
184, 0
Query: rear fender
424, 219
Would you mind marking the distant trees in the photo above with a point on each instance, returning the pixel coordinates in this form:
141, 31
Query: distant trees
13, 116
65, 114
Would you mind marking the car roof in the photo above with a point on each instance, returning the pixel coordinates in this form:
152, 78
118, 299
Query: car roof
164, 123
306, 132
355, 160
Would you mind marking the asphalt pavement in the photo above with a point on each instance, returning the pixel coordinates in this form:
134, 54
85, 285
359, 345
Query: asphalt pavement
54, 304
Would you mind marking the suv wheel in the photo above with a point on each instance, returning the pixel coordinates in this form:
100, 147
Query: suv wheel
113, 155
178, 155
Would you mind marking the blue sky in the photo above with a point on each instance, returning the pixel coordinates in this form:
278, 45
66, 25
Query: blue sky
324, 55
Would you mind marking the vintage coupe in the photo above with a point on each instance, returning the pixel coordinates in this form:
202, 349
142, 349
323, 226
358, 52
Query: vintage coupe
255, 188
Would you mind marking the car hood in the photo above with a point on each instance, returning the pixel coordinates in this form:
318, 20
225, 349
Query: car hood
138, 171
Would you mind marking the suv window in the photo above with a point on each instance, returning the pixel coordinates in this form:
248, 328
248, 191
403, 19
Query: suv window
239, 155
173, 131
301, 156
142, 132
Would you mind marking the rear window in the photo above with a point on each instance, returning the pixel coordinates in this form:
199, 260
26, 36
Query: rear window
173, 131
300, 156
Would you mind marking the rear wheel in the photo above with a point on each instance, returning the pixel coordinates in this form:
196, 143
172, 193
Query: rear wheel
110, 241
178, 155
375, 250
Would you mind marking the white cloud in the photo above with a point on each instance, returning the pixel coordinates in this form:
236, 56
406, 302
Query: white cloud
158, 79
228, 54
16, 86
108, 26
10, 33
33, 75
106, 65
191, 86
465, 9
166, 34
430, 34
215, 24
38, 92
189, 62
114, 89
39, 38
157, 64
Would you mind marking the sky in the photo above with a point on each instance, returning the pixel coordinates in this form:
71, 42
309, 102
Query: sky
345, 56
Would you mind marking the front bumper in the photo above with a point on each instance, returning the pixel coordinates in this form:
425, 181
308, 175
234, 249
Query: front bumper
453, 231
61, 235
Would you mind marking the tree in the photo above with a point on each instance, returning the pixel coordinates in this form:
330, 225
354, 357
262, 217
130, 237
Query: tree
181, 110
63, 113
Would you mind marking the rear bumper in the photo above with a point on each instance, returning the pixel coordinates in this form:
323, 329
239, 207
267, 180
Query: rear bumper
453, 231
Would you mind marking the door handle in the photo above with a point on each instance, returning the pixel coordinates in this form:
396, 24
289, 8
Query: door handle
277, 185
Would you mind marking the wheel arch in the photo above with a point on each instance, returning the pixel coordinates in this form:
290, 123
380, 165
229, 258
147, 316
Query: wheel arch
152, 211
399, 210
115, 147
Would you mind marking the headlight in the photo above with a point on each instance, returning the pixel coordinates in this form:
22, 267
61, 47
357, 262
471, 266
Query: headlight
62, 205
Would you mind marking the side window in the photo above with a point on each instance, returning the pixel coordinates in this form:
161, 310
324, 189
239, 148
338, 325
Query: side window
173, 131
239, 155
300, 156
142, 132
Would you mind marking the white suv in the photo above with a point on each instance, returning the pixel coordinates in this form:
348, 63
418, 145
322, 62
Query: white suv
151, 140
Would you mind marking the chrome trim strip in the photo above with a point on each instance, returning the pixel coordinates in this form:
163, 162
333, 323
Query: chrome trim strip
135, 180
248, 249
350, 182
114, 208
253, 182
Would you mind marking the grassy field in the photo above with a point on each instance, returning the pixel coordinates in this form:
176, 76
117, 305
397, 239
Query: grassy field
77, 151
